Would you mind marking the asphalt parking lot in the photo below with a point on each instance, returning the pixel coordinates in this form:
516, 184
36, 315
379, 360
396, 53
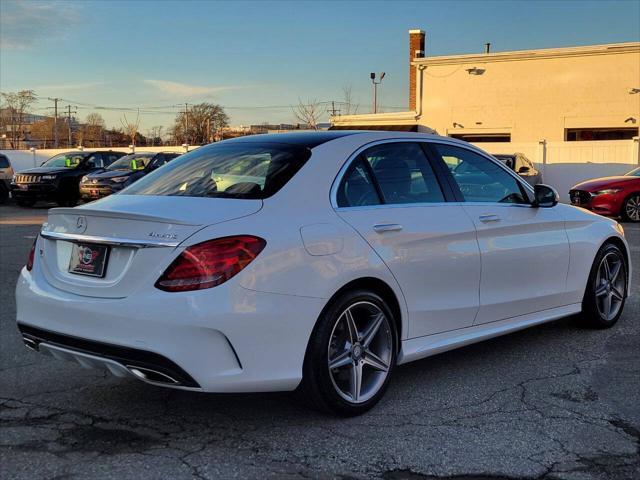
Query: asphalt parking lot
556, 401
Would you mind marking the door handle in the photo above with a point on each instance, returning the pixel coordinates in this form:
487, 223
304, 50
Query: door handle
387, 227
489, 218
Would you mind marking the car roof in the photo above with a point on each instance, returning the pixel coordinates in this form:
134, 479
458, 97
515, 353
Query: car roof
304, 139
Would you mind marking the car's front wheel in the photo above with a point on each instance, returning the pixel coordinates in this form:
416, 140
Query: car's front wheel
351, 354
606, 288
631, 208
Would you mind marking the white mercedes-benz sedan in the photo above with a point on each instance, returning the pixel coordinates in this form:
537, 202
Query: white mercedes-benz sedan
318, 261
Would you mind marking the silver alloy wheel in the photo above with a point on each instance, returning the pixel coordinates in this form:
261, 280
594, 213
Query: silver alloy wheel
360, 352
610, 286
632, 208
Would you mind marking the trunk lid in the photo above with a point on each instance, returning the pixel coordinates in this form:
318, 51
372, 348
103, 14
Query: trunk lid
141, 233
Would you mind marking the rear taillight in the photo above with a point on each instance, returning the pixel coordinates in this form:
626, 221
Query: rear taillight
32, 254
210, 263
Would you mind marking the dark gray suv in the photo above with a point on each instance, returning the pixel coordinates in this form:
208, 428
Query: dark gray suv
6, 174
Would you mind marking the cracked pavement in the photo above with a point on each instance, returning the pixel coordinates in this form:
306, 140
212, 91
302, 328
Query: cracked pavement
556, 401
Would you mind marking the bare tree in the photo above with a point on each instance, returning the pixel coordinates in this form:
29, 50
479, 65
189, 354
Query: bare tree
350, 108
155, 134
18, 104
93, 130
42, 132
204, 121
308, 113
130, 129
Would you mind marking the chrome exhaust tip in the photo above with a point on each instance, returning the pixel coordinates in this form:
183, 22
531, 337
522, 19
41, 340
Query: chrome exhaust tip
30, 343
153, 376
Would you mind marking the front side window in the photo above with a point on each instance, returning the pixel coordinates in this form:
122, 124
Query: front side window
227, 170
4, 162
129, 161
403, 173
478, 178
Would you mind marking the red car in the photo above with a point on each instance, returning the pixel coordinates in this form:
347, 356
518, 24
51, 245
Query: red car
611, 196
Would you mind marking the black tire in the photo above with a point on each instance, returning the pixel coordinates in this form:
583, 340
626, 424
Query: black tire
631, 208
4, 193
26, 202
592, 315
318, 386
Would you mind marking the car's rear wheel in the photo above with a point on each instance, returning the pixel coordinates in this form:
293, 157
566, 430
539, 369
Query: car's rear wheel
631, 208
606, 290
351, 354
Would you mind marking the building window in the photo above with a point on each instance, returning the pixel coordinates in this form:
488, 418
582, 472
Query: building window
482, 137
588, 134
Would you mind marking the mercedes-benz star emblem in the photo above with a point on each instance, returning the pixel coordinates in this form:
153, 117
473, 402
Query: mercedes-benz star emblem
81, 224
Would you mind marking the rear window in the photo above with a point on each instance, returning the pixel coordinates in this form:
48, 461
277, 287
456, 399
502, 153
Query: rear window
234, 170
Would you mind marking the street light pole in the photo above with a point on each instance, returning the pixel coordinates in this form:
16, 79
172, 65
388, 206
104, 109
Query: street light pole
375, 89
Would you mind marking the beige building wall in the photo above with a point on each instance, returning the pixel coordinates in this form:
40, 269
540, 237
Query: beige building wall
532, 95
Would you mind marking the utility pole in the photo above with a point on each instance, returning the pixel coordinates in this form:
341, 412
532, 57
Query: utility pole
69, 112
334, 111
55, 120
186, 123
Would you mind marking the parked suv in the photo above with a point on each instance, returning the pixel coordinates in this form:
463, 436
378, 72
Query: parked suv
57, 179
522, 166
122, 173
6, 174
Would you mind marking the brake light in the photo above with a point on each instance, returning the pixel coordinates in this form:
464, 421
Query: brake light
210, 263
32, 254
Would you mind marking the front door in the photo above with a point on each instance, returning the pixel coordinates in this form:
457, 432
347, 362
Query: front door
391, 196
524, 249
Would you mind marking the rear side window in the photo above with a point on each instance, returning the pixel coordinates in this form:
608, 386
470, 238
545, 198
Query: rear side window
235, 170
95, 160
357, 188
403, 173
4, 162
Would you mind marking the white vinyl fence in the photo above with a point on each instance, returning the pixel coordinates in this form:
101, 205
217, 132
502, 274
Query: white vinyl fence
563, 164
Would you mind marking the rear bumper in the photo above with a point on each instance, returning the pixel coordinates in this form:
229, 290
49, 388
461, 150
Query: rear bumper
225, 339
119, 360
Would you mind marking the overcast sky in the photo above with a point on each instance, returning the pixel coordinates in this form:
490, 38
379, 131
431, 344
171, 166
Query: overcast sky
246, 55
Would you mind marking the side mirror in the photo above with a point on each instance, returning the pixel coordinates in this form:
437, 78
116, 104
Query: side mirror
523, 169
545, 196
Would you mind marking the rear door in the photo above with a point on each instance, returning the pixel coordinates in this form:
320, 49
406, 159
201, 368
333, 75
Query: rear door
524, 250
392, 197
